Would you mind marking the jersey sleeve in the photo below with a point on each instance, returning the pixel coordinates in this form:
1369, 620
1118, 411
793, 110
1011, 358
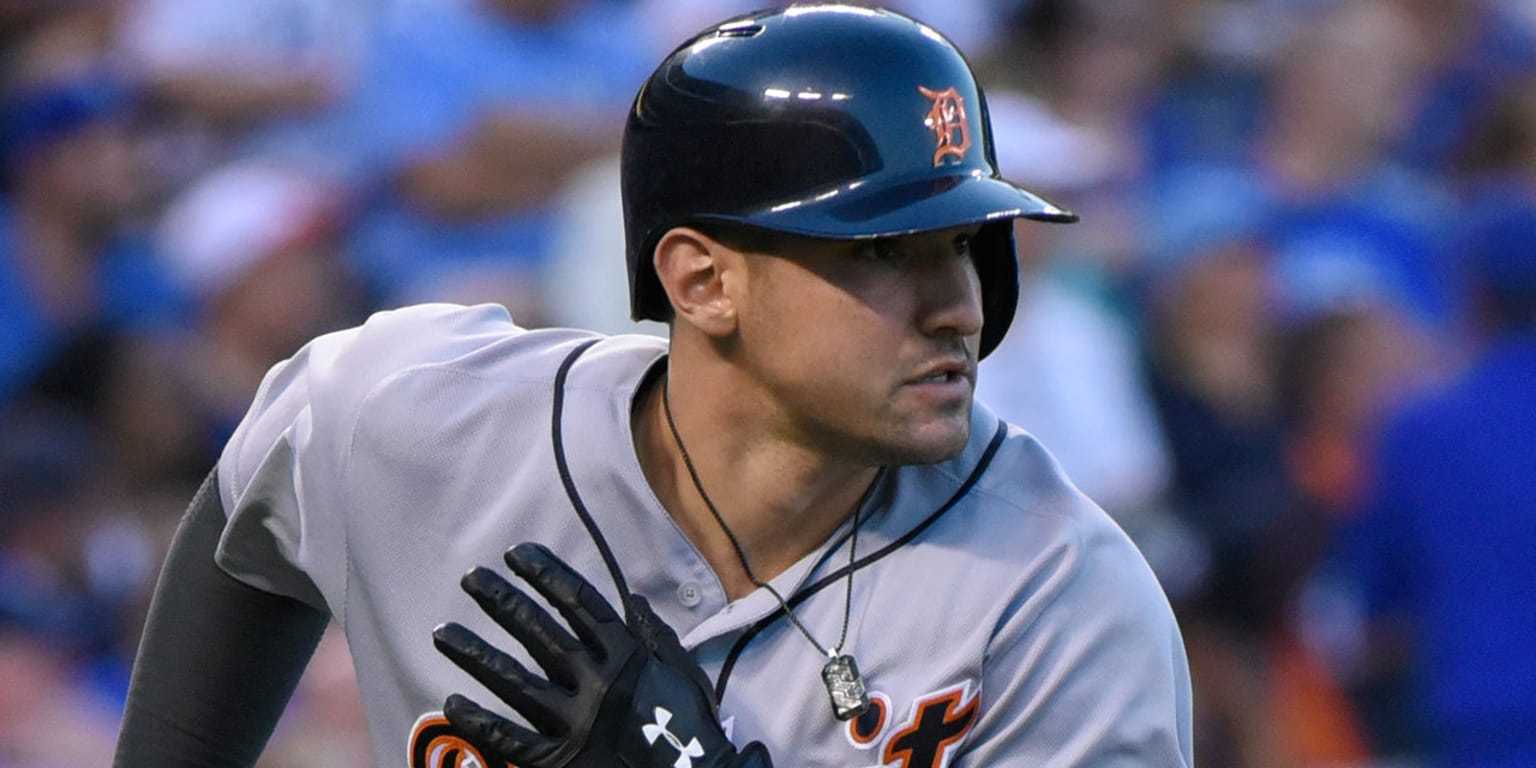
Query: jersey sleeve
283, 475
1087, 666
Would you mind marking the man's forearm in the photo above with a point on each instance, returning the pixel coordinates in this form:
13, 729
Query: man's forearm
218, 659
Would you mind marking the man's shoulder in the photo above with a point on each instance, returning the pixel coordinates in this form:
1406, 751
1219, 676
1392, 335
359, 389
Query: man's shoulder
1024, 486
434, 332
1004, 495
1025, 517
467, 340
401, 359
458, 354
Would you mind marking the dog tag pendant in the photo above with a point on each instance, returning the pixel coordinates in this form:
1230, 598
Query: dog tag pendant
845, 687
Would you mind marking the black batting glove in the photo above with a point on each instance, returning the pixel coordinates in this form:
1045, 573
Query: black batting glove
616, 695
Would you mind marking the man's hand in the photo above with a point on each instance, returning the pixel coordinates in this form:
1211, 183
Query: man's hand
615, 695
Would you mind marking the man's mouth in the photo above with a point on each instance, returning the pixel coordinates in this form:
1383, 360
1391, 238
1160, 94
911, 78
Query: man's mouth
939, 377
948, 372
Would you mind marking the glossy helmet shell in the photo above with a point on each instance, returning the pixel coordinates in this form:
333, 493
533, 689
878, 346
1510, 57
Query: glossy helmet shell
827, 121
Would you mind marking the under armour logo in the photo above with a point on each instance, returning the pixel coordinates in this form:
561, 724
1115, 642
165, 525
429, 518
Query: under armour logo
686, 753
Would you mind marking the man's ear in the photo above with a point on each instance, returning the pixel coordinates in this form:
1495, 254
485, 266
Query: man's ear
700, 275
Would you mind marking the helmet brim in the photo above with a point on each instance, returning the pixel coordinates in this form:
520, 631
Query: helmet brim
856, 212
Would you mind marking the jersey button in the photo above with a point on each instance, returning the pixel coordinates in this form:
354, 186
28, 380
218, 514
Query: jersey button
689, 594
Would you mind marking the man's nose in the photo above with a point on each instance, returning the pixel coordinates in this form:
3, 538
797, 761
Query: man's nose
949, 296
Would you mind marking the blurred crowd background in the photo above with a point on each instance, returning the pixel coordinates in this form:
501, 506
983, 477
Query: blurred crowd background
1291, 347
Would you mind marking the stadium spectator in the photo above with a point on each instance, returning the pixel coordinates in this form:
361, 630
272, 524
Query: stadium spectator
1440, 552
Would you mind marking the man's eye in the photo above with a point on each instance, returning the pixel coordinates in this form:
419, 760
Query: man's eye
963, 245
879, 250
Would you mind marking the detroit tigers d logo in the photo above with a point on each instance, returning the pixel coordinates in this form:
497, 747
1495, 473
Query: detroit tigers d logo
946, 118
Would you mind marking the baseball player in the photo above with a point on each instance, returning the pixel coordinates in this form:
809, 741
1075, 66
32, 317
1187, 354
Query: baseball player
786, 536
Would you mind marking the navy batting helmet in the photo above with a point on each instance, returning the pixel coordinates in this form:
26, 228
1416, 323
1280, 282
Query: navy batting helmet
827, 121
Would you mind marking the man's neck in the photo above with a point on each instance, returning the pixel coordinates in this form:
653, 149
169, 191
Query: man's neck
780, 500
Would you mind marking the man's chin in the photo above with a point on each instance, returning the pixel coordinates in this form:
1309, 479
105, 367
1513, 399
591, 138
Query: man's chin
935, 446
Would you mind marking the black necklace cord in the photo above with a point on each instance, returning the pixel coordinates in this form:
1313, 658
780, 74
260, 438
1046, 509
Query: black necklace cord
831, 578
741, 555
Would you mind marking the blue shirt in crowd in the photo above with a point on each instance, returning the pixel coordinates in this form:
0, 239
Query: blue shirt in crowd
1445, 547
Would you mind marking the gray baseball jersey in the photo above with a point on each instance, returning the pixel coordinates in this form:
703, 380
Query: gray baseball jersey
998, 616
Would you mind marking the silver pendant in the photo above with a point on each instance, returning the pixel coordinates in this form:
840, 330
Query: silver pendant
845, 687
